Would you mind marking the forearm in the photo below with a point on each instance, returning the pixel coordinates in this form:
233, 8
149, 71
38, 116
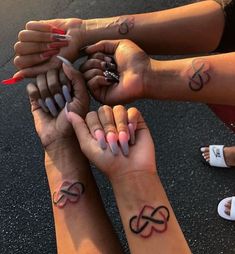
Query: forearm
81, 227
207, 79
188, 29
143, 197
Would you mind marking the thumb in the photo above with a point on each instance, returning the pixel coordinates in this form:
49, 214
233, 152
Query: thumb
81, 130
72, 73
106, 46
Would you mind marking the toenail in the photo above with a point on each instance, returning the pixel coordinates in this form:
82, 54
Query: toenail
203, 149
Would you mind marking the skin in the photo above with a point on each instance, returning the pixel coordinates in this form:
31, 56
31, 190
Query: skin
74, 224
133, 178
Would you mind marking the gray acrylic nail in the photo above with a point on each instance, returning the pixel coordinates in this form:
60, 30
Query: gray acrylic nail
51, 106
42, 105
66, 94
59, 100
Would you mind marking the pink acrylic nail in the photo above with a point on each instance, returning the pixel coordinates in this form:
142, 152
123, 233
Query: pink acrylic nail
123, 140
99, 135
12, 81
132, 133
112, 141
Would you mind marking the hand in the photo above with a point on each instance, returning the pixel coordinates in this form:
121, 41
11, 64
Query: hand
36, 47
132, 64
116, 125
46, 98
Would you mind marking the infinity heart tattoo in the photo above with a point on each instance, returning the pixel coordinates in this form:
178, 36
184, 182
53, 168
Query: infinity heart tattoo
150, 220
198, 74
69, 191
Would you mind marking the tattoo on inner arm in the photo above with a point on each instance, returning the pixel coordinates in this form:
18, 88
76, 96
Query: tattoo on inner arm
198, 74
124, 24
69, 191
150, 220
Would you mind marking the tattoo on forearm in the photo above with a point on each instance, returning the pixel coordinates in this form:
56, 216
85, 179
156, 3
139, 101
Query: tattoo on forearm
198, 74
124, 24
150, 220
69, 191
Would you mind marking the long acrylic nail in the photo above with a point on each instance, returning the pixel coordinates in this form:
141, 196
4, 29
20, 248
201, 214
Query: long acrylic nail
58, 31
51, 106
66, 94
112, 141
49, 53
59, 100
12, 81
132, 133
42, 105
61, 37
99, 135
66, 110
123, 140
64, 60
57, 45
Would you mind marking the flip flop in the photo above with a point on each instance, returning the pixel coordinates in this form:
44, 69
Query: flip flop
217, 156
221, 209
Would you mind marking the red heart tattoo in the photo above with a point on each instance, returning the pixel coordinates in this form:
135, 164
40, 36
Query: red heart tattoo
68, 192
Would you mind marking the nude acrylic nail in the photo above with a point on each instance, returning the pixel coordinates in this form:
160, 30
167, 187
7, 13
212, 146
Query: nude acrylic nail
66, 94
123, 140
99, 135
51, 106
112, 141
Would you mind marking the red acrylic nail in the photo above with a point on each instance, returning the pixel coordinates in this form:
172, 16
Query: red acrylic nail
49, 53
12, 81
58, 31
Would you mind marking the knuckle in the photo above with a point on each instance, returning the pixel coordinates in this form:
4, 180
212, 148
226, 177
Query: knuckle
108, 127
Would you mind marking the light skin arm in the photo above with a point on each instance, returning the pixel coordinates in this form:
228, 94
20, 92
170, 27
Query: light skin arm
81, 226
133, 176
208, 79
179, 30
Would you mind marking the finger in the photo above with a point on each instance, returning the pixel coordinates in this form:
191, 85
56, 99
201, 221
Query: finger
30, 48
98, 55
34, 96
98, 82
44, 26
95, 127
133, 117
121, 121
106, 46
45, 94
92, 73
55, 87
92, 64
82, 132
64, 80
31, 72
105, 114
22, 62
35, 36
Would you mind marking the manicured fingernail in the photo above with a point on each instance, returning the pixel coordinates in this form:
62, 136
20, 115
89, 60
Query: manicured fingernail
132, 133
123, 140
203, 149
112, 141
66, 94
66, 110
57, 45
42, 105
59, 100
108, 59
99, 135
12, 81
61, 37
64, 60
49, 53
58, 31
51, 106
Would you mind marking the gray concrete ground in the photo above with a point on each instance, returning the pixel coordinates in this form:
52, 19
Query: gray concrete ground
179, 129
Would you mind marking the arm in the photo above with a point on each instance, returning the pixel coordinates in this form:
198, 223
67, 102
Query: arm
179, 30
208, 79
132, 172
81, 223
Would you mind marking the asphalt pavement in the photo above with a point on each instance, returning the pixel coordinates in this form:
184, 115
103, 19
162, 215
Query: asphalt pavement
178, 129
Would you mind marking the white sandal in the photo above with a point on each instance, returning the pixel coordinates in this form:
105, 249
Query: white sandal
216, 156
221, 209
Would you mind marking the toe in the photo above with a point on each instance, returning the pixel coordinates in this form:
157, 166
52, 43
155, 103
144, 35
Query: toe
227, 211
